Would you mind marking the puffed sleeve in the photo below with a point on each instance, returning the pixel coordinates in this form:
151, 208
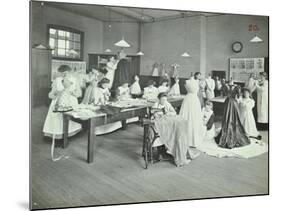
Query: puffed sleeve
57, 87
252, 103
171, 110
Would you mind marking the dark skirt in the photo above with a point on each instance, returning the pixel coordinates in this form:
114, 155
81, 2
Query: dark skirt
232, 133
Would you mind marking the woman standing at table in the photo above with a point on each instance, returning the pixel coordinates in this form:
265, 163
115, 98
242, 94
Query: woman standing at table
191, 111
89, 93
54, 121
101, 98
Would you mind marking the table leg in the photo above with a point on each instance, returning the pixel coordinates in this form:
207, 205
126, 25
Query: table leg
65, 131
145, 147
124, 124
91, 141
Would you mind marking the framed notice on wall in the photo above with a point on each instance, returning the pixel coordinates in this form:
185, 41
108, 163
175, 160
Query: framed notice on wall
241, 68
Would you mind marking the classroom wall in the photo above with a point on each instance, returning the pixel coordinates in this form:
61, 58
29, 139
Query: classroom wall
43, 15
164, 42
130, 31
223, 30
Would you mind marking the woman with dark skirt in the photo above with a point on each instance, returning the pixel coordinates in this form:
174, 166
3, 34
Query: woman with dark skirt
232, 133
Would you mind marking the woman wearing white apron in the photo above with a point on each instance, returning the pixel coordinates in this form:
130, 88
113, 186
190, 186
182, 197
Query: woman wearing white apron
123, 92
150, 92
262, 99
111, 66
54, 121
191, 111
101, 97
163, 88
246, 104
208, 121
210, 87
89, 93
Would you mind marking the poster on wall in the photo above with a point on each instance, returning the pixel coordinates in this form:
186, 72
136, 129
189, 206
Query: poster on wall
241, 68
77, 66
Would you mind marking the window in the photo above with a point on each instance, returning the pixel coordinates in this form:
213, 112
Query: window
67, 43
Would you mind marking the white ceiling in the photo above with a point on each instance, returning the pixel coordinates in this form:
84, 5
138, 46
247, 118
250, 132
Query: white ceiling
119, 14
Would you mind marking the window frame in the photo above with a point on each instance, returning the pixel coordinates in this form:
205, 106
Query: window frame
71, 30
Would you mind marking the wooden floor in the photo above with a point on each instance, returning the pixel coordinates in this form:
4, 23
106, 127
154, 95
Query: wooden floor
117, 174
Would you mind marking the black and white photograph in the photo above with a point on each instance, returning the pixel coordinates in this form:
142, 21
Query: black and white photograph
139, 105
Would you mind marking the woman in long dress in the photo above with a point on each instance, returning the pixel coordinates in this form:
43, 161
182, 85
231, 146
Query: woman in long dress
53, 125
111, 66
101, 98
262, 99
251, 84
210, 87
172, 131
191, 111
232, 133
246, 105
93, 82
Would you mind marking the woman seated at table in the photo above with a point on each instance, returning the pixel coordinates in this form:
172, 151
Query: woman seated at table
164, 86
101, 97
150, 92
208, 121
123, 92
171, 129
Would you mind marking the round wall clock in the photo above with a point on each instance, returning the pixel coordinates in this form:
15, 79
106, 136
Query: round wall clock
237, 47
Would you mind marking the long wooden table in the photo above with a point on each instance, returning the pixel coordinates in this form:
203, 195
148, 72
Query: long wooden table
103, 119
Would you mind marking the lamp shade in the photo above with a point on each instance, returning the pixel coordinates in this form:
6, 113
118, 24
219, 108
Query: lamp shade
185, 54
107, 50
122, 43
256, 39
140, 53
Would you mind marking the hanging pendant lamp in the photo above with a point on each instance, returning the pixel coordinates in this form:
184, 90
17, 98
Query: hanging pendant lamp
122, 43
108, 50
140, 53
256, 39
185, 54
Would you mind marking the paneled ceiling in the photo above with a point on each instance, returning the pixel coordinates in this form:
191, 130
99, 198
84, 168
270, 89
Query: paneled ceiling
126, 14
